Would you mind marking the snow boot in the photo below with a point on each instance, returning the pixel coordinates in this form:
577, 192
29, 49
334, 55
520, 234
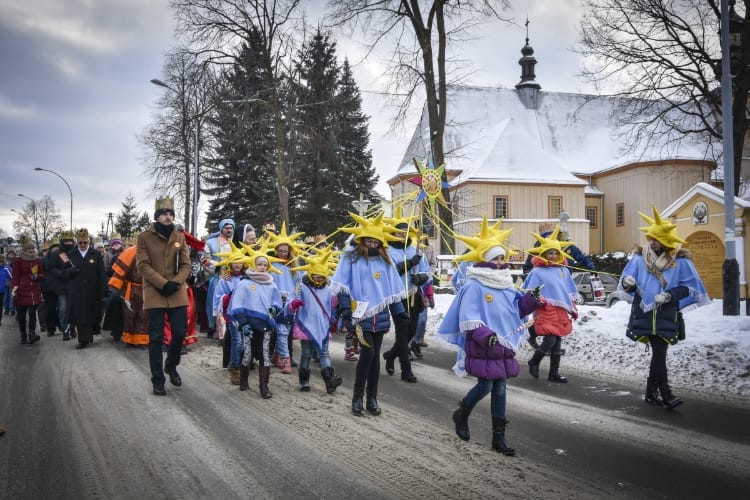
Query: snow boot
461, 419
286, 365
498, 437
244, 374
332, 380
234, 376
349, 354
416, 349
33, 337
554, 370
263, 375
389, 362
357, 407
534, 363
372, 406
670, 400
304, 380
276, 360
652, 392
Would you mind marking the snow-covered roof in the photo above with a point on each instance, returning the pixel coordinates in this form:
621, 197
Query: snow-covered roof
492, 135
707, 190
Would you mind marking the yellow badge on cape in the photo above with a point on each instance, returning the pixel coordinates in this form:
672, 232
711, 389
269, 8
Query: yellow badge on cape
91, 261
488, 297
253, 287
376, 275
177, 244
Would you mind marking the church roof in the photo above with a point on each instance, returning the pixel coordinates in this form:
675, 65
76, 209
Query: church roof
524, 135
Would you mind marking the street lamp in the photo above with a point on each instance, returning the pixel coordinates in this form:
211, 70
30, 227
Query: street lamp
194, 215
69, 190
33, 208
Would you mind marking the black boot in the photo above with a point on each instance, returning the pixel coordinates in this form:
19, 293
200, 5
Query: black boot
372, 405
24, 338
554, 370
534, 363
357, 407
461, 419
331, 379
244, 374
263, 374
652, 392
416, 349
33, 337
498, 437
389, 358
304, 380
670, 400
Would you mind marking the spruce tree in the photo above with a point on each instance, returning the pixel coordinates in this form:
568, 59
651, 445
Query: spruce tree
126, 221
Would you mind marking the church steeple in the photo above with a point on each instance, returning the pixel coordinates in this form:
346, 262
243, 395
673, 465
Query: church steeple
527, 63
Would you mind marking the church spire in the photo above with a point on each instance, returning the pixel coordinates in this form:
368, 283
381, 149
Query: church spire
527, 63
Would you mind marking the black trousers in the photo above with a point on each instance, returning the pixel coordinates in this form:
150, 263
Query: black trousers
178, 324
51, 321
367, 373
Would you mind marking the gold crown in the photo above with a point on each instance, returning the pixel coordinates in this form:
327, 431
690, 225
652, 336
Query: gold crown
82, 234
67, 235
165, 203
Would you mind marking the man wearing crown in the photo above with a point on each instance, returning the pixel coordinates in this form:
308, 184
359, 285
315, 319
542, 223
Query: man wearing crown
87, 288
662, 281
163, 261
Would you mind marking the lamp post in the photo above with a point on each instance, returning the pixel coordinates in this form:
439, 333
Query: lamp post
39, 169
194, 214
33, 208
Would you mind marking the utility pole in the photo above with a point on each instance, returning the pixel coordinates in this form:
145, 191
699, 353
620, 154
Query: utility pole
110, 226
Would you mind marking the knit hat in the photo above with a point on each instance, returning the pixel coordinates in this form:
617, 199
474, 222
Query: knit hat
163, 205
662, 231
98, 245
115, 241
493, 253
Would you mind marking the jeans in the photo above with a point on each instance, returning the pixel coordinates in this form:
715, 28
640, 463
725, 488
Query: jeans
484, 387
8, 301
282, 339
307, 352
421, 326
236, 346
178, 324
62, 312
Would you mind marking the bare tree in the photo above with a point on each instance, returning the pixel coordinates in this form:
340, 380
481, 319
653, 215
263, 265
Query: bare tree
422, 32
39, 219
216, 29
666, 56
170, 140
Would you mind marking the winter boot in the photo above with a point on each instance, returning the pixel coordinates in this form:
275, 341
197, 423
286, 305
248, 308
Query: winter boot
554, 370
276, 360
234, 376
24, 338
372, 406
461, 419
332, 380
349, 354
652, 392
244, 373
357, 407
534, 363
416, 349
304, 380
389, 362
263, 374
670, 400
498, 437
33, 337
286, 365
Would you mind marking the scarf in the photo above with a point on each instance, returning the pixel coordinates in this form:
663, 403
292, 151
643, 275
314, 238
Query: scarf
657, 263
491, 278
259, 277
28, 254
164, 229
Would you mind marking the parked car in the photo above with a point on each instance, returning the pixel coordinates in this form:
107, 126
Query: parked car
616, 297
585, 291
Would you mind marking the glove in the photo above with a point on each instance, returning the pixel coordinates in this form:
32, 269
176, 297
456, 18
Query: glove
273, 311
415, 260
169, 288
536, 293
295, 304
628, 281
419, 279
662, 297
346, 314
493, 340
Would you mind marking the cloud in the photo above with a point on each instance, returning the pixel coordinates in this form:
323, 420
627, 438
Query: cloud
13, 111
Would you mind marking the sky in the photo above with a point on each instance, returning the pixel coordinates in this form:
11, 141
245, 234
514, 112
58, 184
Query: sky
714, 358
75, 93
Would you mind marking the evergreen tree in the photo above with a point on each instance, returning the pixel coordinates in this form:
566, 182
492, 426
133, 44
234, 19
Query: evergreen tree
240, 179
126, 222
144, 222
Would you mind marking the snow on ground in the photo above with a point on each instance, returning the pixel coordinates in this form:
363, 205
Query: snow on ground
714, 358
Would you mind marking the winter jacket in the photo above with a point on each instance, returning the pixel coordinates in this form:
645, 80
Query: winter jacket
552, 320
662, 321
160, 260
57, 273
87, 287
26, 281
495, 362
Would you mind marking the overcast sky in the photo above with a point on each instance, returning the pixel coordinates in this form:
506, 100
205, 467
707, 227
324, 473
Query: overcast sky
75, 91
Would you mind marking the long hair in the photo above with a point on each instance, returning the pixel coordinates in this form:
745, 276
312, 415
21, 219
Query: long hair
363, 251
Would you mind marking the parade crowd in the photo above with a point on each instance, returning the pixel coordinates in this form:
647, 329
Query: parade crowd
258, 293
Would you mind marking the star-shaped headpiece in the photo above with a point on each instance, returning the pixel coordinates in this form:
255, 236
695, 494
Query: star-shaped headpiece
321, 263
551, 243
487, 237
374, 228
285, 239
662, 231
235, 254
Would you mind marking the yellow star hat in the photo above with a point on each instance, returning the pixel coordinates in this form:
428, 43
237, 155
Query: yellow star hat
551, 243
235, 254
399, 218
374, 228
487, 237
662, 231
320, 263
285, 239
255, 251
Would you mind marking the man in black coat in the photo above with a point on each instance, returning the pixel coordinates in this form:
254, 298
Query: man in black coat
87, 288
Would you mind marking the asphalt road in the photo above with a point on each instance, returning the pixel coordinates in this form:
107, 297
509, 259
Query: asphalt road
84, 424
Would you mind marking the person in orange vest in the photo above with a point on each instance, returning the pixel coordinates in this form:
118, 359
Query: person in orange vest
127, 283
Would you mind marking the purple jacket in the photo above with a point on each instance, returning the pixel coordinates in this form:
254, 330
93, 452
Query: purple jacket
496, 362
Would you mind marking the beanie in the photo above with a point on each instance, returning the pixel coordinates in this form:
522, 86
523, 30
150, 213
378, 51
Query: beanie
493, 253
